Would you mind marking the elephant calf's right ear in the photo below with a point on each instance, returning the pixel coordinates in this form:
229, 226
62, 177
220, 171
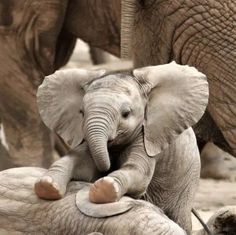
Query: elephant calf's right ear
177, 99
60, 99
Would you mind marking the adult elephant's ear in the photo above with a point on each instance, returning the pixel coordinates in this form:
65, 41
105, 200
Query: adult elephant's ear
177, 98
59, 101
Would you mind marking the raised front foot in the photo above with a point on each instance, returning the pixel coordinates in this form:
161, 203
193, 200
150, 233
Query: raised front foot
104, 190
47, 188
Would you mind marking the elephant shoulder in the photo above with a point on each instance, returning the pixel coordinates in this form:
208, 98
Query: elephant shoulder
182, 148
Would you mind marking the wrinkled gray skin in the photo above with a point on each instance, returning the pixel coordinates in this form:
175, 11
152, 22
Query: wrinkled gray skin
23, 213
135, 130
197, 33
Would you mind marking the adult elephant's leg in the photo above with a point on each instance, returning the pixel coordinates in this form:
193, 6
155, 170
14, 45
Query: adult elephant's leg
97, 22
97, 56
217, 164
28, 37
4, 156
29, 141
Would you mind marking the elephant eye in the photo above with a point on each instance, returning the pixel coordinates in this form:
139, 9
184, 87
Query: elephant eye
81, 111
125, 113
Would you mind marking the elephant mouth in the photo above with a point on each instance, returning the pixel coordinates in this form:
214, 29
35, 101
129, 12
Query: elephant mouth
114, 142
118, 140
110, 142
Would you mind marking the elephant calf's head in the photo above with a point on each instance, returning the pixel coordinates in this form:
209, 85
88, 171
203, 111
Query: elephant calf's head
111, 109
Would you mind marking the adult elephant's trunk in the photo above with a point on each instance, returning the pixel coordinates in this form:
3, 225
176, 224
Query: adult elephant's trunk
128, 8
97, 135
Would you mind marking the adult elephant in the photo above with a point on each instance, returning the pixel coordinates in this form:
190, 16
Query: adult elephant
36, 38
198, 33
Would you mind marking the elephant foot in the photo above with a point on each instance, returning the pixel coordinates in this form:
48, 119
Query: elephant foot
104, 190
47, 188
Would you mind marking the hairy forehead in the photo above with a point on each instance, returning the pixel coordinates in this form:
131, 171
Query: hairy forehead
115, 82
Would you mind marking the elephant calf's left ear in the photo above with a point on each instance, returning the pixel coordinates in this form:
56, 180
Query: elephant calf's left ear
60, 98
178, 96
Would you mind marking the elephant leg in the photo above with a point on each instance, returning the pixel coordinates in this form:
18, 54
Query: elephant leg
98, 56
29, 45
132, 178
4, 156
214, 163
76, 165
53, 184
176, 179
29, 141
103, 17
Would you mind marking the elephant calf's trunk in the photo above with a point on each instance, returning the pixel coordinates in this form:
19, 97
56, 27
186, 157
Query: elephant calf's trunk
97, 141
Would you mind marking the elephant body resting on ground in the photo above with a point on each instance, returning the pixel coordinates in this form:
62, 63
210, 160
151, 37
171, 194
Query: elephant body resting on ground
134, 129
23, 213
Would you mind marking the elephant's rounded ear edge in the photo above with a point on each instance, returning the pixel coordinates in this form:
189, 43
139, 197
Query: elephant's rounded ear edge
101, 210
59, 100
177, 100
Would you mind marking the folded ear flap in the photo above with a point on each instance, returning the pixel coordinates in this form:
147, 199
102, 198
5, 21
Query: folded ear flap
177, 98
101, 210
59, 101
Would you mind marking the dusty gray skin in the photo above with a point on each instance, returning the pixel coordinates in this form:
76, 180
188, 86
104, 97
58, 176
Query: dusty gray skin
135, 130
197, 34
23, 213
193, 33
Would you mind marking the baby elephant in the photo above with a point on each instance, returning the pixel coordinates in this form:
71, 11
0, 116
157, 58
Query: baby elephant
130, 134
